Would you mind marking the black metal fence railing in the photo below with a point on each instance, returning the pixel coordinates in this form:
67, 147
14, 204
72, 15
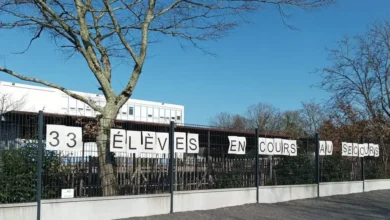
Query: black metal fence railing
92, 172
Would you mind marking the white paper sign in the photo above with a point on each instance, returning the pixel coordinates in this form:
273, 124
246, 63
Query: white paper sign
293, 148
66, 138
355, 149
162, 143
148, 142
361, 150
133, 142
376, 150
241, 145
67, 193
263, 147
329, 148
192, 143
53, 138
180, 142
322, 149
73, 138
371, 150
237, 145
278, 144
350, 150
344, 149
286, 148
269, 143
117, 140
233, 145
366, 149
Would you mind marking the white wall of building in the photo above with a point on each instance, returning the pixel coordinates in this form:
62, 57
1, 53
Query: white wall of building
54, 101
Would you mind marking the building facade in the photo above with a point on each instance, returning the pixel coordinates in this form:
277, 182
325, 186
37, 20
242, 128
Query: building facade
36, 98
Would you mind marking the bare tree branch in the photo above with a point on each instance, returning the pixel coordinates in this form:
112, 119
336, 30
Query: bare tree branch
8, 103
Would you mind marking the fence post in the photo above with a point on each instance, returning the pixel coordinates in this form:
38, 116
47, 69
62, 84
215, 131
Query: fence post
257, 164
317, 140
208, 152
171, 158
39, 171
362, 163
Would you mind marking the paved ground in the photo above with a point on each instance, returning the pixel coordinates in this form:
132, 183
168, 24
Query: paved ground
372, 205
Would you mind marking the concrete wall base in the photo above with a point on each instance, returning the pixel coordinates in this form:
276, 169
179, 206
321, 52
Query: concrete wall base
108, 208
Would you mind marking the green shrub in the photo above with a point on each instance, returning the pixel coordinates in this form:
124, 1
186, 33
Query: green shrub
18, 174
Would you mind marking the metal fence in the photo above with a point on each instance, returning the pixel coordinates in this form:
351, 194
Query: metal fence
211, 168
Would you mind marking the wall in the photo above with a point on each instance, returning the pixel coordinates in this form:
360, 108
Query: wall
90, 208
274, 194
370, 185
340, 188
212, 199
104, 208
22, 211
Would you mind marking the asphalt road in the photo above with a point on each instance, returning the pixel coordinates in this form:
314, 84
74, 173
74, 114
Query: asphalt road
371, 205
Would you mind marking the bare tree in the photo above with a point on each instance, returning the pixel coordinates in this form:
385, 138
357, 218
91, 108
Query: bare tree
228, 121
8, 103
292, 123
313, 116
265, 117
359, 79
106, 29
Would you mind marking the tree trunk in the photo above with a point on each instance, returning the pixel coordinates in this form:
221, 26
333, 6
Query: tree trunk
109, 182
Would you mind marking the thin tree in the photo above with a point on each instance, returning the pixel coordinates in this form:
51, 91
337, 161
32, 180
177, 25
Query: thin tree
104, 29
313, 116
265, 117
229, 121
9, 103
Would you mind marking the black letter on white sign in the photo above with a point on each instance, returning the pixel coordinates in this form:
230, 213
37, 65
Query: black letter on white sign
193, 145
232, 145
147, 142
129, 144
162, 146
261, 149
241, 146
272, 145
72, 139
286, 147
117, 141
345, 149
177, 143
55, 138
293, 148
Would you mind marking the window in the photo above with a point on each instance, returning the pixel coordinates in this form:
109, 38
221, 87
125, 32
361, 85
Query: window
131, 110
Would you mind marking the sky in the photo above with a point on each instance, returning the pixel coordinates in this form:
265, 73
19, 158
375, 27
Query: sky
261, 62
